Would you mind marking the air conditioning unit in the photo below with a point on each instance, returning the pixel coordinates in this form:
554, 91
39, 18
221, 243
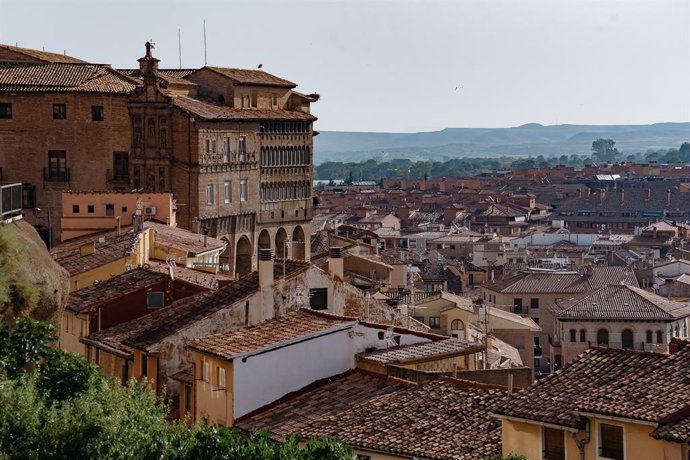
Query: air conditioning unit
150, 210
155, 300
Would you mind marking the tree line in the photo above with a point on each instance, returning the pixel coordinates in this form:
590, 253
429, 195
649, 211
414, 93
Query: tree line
603, 150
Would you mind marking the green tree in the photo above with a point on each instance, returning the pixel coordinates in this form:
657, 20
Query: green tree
605, 149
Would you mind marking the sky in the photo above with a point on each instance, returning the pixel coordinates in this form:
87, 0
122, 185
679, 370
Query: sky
404, 65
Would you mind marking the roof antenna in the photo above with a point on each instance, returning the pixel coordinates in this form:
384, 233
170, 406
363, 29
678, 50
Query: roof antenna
179, 45
205, 62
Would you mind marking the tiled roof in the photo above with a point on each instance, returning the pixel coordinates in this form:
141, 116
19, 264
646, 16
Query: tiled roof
423, 351
92, 297
63, 77
212, 111
147, 331
644, 386
45, 56
189, 275
112, 248
252, 77
165, 76
183, 239
437, 420
563, 282
268, 334
621, 302
323, 398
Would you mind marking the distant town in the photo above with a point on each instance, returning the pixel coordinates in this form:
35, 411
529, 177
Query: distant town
177, 282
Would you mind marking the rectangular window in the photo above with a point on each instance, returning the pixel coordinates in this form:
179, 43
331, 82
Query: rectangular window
109, 210
6, 110
221, 377
82, 328
206, 369
517, 306
28, 196
97, 113
534, 303
227, 191
144, 365
611, 441
242, 148
554, 444
243, 190
226, 149
435, 322
120, 166
213, 145
75, 208
59, 111
573, 335
57, 164
187, 398
91, 209
208, 146
210, 194
66, 323
318, 298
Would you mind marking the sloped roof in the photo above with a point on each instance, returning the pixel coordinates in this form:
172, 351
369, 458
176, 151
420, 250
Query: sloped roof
299, 325
194, 243
423, 351
45, 56
213, 111
621, 302
63, 77
649, 387
252, 77
437, 420
563, 282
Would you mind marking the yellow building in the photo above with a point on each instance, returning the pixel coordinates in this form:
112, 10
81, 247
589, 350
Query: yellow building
607, 404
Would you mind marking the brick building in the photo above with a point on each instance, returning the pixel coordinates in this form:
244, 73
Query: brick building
234, 146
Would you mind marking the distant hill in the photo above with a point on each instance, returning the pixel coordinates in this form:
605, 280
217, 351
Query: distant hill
530, 139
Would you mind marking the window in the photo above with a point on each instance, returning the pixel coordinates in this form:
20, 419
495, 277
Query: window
82, 328
57, 164
28, 196
227, 191
97, 113
208, 146
243, 190
120, 166
435, 322
419, 318
6, 110
583, 335
534, 303
573, 335
124, 209
66, 323
59, 111
648, 337
554, 444
226, 149
210, 194
242, 148
213, 146
144, 365
75, 208
602, 337
611, 441
90, 209
206, 369
221, 377
517, 305
627, 339
110, 210
318, 298
187, 398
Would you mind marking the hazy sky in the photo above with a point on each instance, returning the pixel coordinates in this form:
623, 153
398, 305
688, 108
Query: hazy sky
395, 65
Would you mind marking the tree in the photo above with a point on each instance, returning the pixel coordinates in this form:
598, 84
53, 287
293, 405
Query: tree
604, 149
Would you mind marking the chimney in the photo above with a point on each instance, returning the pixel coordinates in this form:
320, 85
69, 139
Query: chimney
668, 196
622, 196
265, 269
335, 262
648, 194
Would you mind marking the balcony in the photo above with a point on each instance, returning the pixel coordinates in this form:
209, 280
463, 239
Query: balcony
56, 176
10, 201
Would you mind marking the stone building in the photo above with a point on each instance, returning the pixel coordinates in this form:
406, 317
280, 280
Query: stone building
234, 146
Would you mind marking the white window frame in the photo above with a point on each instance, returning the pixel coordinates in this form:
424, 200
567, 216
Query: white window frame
612, 423
242, 148
206, 371
226, 150
227, 191
210, 194
243, 190
222, 382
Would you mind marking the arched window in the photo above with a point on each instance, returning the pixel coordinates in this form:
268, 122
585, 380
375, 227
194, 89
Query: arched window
627, 339
457, 325
573, 335
649, 337
602, 337
677, 333
583, 335
659, 337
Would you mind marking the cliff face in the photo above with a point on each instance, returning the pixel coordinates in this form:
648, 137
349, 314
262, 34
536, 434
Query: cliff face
31, 282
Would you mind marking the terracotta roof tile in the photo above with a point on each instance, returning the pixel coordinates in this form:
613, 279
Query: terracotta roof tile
326, 397
420, 351
62, 77
183, 239
213, 111
438, 420
252, 77
563, 282
189, 275
45, 56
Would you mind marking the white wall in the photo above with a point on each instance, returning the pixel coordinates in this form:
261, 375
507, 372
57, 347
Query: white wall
543, 239
264, 378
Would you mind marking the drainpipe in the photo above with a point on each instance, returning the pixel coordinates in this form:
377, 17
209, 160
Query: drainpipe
580, 443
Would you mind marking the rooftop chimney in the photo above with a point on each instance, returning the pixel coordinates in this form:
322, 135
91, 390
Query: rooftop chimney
668, 196
335, 262
265, 268
648, 194
622, 196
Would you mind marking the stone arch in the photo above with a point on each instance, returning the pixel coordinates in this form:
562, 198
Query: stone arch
627, 339
243, 257
281, 238
226, 255
264, 241
298, 243
603, 337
